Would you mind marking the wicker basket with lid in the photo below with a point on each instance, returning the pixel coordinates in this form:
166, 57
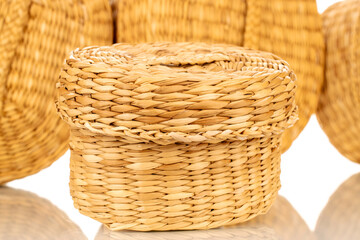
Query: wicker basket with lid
36, 36
173, 136
291, 29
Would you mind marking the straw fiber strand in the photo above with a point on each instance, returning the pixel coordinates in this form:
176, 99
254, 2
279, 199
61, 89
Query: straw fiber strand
338, 112
36, 37
292, 30
175, 136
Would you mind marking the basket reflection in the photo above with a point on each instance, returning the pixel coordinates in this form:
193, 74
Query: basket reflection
340, 219
26, 216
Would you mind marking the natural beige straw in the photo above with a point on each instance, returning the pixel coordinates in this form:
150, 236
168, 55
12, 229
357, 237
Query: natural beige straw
175, 136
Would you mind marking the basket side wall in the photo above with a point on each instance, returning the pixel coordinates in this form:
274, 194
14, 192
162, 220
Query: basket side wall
178, 186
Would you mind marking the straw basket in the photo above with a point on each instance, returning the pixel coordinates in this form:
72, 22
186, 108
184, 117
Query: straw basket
282, 222
338, 111
36, 36
290, 29
23, 215
340, 217
172, 136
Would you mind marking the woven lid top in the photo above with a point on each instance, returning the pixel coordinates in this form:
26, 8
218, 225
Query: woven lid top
177, 92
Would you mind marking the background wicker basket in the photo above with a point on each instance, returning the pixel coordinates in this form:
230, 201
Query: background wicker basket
25, 216
338, 111
182, 21
36, 36
340, 217
282, 222
172, 136
290, 29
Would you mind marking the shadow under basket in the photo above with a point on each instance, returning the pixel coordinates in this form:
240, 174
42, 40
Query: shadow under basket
175, 136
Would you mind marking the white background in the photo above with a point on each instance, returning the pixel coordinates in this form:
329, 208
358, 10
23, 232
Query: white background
311, 171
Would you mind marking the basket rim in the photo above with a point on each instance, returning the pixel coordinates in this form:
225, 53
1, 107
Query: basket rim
100, 60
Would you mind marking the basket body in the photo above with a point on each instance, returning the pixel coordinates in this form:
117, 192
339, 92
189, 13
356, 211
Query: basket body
175, 136
146, 186
289, 29
36, 37
338, 113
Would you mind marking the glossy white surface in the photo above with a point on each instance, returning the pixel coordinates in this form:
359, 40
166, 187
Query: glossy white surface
312, 171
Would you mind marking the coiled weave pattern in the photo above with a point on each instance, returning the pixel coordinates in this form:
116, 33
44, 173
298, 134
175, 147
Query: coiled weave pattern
338, 112
36, 36
171, 136
291, 29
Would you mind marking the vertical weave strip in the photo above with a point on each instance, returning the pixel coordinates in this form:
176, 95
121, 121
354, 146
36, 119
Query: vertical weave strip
338, 112
36, 36
175, 136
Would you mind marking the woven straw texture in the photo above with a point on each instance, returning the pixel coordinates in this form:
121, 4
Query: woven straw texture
181, 20
172, 136
36, 36
340, 217
338, 112
290, 29
25, 216
282, 222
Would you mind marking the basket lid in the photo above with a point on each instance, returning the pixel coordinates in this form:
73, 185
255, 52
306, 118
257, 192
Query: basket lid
177, 92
